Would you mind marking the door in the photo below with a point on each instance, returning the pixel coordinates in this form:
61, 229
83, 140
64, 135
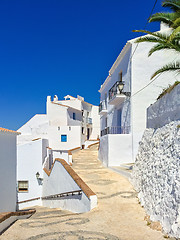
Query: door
88, 133
119, 121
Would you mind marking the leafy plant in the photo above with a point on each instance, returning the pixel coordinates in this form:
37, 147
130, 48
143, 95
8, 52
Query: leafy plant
165, 41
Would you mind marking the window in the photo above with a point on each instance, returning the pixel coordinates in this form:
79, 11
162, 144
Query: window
23, 186
69, 128
63, 138
82, 130
59, 128
74, 116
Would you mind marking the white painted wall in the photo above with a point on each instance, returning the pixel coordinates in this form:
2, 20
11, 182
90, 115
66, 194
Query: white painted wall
30, 160
165, 110
7, 172
136, 74
141, 74
60, 181
36, 127
61, 154
56, 114
73, 137
115, 149
95, 123
78, 117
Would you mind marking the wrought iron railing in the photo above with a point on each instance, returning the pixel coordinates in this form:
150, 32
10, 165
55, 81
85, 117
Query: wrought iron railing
114, 90
65, 194
102, 106
115, 130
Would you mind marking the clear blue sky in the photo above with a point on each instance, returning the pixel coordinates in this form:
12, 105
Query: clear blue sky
61, 47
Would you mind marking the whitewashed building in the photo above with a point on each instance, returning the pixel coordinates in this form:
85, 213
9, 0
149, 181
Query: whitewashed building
68, 125
72, 122
8, 160
125, 96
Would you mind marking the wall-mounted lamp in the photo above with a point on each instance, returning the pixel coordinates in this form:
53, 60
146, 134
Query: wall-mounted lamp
40, 180
120, 86
37, 175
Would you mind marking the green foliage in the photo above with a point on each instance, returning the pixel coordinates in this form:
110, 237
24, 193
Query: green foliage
168, 41
168, 89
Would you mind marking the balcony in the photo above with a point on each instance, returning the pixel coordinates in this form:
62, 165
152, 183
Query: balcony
103, 108
116, 96
115, 130
89, 120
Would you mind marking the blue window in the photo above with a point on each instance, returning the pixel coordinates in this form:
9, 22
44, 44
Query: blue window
74, 116
63, 138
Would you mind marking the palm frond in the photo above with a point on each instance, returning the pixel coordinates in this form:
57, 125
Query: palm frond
175, 33
176, 23
150, 39
158, 47
160, 35
172, 4
167, 18
175, 67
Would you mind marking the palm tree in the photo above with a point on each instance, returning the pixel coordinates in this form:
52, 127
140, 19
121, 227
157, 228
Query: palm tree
169, 40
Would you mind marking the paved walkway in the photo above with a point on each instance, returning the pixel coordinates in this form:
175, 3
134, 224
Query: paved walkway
117, 217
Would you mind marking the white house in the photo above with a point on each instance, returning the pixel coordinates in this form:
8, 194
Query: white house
68, 125
72, 122
123, 111
8, 160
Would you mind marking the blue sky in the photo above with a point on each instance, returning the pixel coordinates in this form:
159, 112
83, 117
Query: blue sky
61, 47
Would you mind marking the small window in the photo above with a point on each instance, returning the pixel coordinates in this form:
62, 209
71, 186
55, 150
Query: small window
69, 128
74, 116
63, 138
82, 130
59, 128
23, 186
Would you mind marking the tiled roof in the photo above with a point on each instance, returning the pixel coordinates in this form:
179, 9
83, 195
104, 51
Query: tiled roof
7, 130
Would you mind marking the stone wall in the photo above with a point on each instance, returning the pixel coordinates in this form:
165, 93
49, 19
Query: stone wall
156, 174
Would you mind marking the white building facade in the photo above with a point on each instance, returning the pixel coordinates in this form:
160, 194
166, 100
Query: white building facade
123, 112
8, 160
71, 122
68, 125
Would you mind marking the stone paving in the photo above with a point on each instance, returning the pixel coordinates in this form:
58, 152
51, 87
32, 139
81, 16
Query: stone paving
117, 217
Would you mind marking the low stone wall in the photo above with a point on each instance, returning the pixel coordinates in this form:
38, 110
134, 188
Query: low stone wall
156, 176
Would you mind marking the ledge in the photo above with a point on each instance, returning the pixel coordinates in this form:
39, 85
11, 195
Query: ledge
73, 149
84, 187
6, 215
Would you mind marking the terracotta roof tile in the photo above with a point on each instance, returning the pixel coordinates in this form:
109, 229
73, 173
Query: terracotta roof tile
7, 130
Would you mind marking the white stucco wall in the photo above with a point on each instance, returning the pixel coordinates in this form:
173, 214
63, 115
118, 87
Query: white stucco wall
95, 134
73, 137
60, 181
36, 127
7, 172
165, 110
115, 149
56, 114
30, 158
78, 117
142, 69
